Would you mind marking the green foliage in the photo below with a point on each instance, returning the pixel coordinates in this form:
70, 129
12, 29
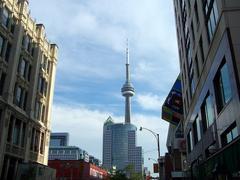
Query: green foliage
127, 174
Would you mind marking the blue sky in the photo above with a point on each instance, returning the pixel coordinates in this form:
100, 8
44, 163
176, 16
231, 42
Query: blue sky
91, 36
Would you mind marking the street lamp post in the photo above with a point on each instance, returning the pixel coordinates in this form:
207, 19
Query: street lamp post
156, 135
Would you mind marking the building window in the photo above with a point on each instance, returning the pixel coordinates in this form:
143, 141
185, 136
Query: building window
16, 132
42, 86
36, 141
10, 129
201, 49
1, 45
32, 139
207, 112
197, 66
24, 69
40, 111
192, 82
42, 143
211, 14
45, 63
2, 82
13, 24
8, 51
196, 12
26, 43
222, 87
23, 134
230, 134
20, 97
197, 130
190, 141
5, 17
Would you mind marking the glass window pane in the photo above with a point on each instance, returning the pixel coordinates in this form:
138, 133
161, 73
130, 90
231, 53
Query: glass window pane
226, 84
5, 17
229, 137
209, 111
198, 129
234, 133
1, 45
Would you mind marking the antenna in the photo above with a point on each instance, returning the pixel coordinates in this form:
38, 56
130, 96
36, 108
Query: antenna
127, 52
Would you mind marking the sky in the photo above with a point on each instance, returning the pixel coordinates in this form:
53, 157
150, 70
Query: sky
91, 36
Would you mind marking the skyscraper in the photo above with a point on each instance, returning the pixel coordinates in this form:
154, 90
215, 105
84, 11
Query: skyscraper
27, 75
208, 41
119, 139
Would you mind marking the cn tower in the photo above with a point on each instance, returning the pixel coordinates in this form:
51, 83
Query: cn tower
127, 89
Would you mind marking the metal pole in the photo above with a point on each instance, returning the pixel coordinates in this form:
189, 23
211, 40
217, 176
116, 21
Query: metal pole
158, 156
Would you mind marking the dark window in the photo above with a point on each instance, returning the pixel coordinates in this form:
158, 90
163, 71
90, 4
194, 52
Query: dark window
190, 141
8, 51
201, 49
32, 139
230, 134
13, 24
192, 82
42, 86
207, 112
42, 143
24, 69
1, 45
193, 34
196, 12
43, 113
222, 87
2, 82
196, 66
10, 129
196, 130
26, 43
20, 97
5, 17
36, 141
16, 132
23, 134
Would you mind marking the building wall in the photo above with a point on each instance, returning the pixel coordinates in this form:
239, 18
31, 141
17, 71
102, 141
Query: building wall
27, 75
208, 42
77, 170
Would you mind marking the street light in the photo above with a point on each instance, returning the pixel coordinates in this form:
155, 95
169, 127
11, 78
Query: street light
156, 135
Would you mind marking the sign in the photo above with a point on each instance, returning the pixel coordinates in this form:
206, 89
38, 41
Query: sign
155, 168
172, 109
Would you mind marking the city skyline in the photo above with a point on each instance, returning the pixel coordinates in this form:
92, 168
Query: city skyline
91, 55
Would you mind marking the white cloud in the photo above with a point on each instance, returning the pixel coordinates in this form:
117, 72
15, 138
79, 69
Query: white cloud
150, 101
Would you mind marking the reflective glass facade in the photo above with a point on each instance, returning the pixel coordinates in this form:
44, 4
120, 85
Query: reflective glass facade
119, 147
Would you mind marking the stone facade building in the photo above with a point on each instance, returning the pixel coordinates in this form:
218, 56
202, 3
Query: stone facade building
27, 75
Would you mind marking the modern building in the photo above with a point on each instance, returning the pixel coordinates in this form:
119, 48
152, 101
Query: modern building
208, 40
119, 139
60, 150
27, 75
78, 170
119, 146
59, 139
67, 153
